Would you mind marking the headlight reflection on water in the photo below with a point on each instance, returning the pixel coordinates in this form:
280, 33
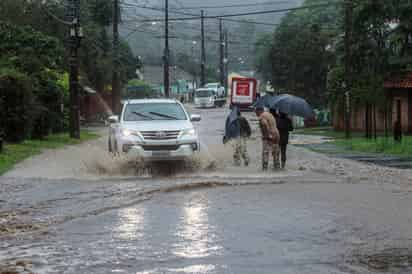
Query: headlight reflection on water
195, 236
131, 224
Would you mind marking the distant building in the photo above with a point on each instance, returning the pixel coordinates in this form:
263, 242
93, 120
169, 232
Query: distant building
181, 82
399, 97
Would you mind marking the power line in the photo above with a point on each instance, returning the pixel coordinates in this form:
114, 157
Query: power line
239, 14
181, 36
251, 22
235, 5
191, 14
193, 28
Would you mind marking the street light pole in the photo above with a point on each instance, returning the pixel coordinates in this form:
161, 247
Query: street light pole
203, 57
226, 61
166, 56
221, 53
76, 34
194, 85
115, 74
348, 65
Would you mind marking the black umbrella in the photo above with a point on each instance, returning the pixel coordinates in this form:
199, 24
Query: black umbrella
292, 105
266, 100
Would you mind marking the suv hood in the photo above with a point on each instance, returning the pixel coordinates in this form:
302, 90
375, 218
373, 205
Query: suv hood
163, 125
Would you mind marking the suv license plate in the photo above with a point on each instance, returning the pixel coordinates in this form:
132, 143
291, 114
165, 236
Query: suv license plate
160, 153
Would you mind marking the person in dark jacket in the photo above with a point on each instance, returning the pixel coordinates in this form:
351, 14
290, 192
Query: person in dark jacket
284, 125
237, 130
397, 131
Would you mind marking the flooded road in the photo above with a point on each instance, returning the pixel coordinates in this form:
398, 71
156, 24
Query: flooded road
78, 210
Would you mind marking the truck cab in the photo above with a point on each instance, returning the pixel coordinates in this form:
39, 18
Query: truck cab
217, 88
219, 94
204, 97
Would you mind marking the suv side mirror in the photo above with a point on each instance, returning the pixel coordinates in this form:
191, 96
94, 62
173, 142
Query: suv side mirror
113, 119
195, 118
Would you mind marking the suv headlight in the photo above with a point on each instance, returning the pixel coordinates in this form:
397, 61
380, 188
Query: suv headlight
190, 132
128, 132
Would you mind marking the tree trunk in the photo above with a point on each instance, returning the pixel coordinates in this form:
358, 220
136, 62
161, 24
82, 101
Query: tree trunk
386, 120
367, 121
374, 122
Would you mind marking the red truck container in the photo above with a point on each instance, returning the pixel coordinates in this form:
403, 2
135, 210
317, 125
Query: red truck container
243, 92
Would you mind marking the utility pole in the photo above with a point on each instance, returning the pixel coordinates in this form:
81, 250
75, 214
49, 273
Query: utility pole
115, 75
194, 81
221, 53
226, 62
76, 34
348, 65
203, 57
166, 57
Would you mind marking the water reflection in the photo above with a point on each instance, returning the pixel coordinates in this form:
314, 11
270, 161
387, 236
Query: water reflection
131, 223
198, 269
196, 237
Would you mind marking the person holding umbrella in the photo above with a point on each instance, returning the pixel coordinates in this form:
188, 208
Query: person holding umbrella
289, 105
284, 125
237, 130
270, 137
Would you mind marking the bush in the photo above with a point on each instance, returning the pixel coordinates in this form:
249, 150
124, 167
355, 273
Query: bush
49, 94
17, 104
37, 58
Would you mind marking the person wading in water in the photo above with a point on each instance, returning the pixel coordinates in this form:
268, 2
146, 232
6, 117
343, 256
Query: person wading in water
270, 138
284, 125
237, 130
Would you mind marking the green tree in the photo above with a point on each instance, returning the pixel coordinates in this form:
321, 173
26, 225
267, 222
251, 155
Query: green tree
37, 56
17, 104
299, 55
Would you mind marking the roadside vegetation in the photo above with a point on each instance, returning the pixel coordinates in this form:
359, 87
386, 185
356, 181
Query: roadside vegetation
306, 56
14, 153
324, 131
382, 145
359, 143
34, 65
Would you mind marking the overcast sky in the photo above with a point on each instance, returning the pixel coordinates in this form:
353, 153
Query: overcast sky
145, 43
270, 18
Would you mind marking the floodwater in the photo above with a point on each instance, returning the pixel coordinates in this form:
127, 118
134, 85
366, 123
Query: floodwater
100, 214
216, 227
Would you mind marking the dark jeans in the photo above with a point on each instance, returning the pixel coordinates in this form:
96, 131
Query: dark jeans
283, 154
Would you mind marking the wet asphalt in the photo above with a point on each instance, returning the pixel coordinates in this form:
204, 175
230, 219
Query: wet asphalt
324, 219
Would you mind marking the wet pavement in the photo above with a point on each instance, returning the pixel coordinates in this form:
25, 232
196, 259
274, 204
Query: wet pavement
78, 210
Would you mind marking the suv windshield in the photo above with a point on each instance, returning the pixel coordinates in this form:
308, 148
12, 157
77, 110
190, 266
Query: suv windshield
204, 93
154, 111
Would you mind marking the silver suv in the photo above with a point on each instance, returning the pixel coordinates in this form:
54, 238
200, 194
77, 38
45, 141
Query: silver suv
154, 130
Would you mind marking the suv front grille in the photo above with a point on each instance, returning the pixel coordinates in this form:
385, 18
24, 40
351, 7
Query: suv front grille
161, 148
160, 135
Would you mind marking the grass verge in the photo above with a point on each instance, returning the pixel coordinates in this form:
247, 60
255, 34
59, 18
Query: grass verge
358, 143
381, 145
15, 153
325, 131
